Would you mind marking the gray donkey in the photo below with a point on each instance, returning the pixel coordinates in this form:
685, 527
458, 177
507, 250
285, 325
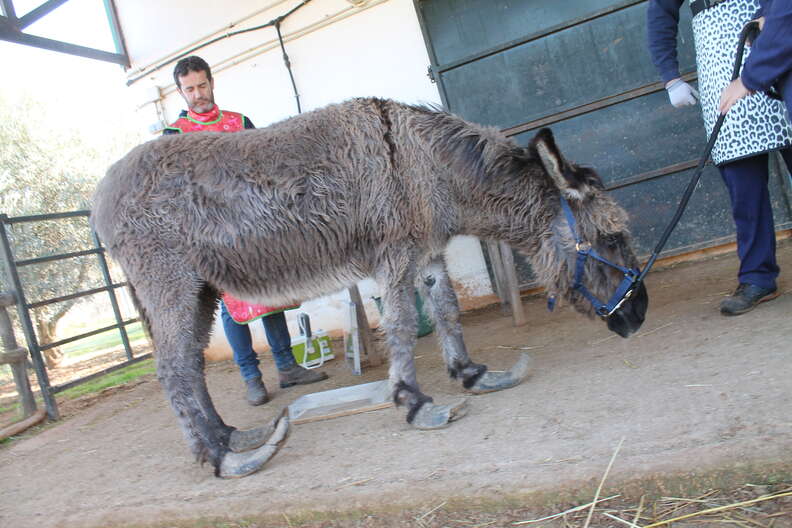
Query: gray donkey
313, 204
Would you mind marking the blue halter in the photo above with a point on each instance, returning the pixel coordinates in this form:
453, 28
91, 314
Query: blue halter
584, 251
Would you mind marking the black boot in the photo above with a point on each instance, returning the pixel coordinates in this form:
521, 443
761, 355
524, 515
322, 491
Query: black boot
299, 375
746, 297
256, 391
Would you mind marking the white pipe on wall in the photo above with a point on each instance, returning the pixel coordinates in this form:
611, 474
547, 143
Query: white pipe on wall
142, 69
294, 35
355, 8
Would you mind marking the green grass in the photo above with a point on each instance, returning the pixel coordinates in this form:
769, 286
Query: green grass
109, 339
117, 377
11, 407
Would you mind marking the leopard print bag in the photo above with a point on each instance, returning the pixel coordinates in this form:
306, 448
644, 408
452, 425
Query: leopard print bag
756, 123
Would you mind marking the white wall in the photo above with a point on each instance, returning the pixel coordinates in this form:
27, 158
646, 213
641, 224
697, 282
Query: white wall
337, 51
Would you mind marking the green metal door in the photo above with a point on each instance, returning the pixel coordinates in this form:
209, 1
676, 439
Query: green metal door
582, 68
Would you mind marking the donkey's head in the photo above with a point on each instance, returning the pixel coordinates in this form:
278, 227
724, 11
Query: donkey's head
586, 256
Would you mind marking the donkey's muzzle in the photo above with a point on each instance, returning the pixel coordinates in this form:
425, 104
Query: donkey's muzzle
629, 317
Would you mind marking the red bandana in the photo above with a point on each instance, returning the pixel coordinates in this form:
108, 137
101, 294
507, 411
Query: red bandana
206, 117
215, 120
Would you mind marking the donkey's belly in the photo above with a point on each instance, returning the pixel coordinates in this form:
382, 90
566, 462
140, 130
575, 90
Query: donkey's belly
281, 287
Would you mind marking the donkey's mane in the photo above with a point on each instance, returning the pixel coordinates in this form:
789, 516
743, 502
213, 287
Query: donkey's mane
480, 152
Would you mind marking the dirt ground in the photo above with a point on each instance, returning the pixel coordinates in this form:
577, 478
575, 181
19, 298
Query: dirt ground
701, 401
68, 370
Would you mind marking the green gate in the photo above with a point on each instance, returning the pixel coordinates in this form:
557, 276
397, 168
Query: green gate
582, 68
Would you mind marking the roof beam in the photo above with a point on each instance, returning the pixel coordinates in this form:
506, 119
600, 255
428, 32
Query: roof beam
39, 12
8, 9
9, 33
11, 30
116, 31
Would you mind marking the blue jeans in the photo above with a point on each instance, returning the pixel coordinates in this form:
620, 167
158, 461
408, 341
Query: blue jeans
746, 180
245, 357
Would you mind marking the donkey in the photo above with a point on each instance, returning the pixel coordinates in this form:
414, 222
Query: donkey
315, 203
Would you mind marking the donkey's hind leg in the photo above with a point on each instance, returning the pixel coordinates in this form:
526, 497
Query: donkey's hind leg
237, 440
177, 309
443, 307
400, 323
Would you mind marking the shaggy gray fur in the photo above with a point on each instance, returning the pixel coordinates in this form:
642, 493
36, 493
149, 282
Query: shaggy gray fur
313, 204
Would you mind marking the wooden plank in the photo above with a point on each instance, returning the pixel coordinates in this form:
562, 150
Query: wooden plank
16, 356
709, 252
338, 411
499, 273
22, 425
339, 402
352, 346
370, 356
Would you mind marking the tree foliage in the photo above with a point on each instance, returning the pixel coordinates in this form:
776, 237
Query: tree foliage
47, 168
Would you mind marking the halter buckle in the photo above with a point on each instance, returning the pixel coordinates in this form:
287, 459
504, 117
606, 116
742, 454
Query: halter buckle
582, 247
622, 301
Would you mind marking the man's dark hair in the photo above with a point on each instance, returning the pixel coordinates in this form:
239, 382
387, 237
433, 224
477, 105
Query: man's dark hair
193, 63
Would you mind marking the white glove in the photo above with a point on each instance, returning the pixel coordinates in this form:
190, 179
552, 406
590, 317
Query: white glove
682, 94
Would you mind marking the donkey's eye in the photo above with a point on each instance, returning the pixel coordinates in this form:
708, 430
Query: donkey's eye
613, 240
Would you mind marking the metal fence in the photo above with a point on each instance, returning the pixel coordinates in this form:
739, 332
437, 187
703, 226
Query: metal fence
14, 266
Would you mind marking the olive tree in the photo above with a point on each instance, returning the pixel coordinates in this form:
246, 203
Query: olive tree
45, 169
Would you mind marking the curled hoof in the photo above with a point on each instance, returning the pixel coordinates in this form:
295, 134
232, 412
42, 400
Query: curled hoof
431, 416
236, 465
494, 381
241, 441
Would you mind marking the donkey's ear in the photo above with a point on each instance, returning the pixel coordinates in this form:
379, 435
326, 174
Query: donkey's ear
574, 182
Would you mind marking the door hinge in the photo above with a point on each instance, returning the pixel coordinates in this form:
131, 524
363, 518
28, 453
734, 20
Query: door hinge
430, 74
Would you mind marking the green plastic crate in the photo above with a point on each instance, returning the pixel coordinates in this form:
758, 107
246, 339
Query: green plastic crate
425, 326
321, 350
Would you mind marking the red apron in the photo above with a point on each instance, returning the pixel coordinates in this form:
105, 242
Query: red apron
216, 120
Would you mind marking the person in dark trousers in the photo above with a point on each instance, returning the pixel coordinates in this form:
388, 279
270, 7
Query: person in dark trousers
753, 129
770, 62
195, 84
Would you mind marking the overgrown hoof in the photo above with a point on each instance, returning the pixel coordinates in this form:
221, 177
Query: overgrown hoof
237, 465
494, 381
241, 441
431, 416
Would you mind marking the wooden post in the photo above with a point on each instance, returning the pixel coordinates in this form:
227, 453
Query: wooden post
370, 355
22, 425
511, 285
497, 270
15, 356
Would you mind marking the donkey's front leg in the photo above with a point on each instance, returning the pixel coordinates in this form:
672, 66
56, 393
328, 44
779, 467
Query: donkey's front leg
443, 307
400, 323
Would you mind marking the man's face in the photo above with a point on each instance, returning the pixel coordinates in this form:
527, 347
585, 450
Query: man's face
197, 91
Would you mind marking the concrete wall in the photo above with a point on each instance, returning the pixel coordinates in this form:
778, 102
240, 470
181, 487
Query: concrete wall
337, 51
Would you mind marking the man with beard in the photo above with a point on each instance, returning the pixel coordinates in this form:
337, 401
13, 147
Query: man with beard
195, 84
